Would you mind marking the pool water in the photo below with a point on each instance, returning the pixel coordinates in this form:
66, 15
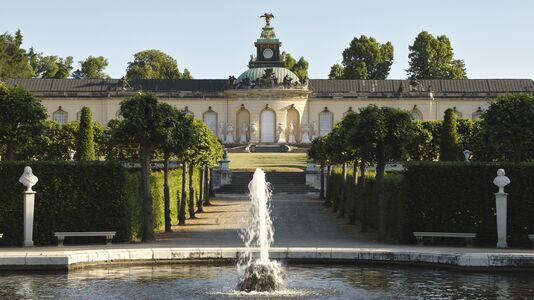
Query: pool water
303, 282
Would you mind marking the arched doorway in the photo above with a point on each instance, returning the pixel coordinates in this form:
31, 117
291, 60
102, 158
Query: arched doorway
243, 116
210, 118
293, 116
267, 126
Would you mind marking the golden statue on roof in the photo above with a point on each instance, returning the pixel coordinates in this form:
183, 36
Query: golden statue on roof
268, 17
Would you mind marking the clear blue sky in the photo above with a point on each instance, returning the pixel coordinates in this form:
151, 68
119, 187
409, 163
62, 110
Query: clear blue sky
214, 38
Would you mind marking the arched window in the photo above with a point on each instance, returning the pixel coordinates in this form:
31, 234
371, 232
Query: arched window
60, 116
78, 115
416, 114
210, 118
458, 114
478, 113
349, 111
326, 122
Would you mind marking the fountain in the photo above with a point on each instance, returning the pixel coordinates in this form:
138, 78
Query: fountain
259, 274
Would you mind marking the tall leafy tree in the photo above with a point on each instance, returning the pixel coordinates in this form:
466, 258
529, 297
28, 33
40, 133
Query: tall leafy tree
448, 148
14, 61
508, 126
336, 72
53, 66
433, 58
365, 58
85, 145
145, 125
153, 64
187, 74
300, 67
92, 68
21, 118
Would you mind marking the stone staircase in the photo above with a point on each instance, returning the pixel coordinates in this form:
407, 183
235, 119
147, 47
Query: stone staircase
281, 182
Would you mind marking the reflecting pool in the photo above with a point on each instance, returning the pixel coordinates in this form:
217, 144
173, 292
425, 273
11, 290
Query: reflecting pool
197, 281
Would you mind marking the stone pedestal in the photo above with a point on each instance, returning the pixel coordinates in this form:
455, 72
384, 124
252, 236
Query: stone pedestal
29, 203
501, 206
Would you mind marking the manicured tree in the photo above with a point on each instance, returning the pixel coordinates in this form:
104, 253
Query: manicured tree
383, 135
85, 145
175, 135
448, 148
21, 118
339, 155
350, 121
420, 147
318, 154
144, 124
211, 159
508, 126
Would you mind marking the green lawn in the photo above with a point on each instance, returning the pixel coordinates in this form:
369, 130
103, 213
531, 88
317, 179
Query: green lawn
279, 162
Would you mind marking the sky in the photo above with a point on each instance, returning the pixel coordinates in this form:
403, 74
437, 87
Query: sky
214, 38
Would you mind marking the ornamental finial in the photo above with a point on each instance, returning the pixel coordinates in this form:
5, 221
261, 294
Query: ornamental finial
268, 17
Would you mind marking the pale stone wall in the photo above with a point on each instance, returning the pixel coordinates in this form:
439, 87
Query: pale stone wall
105, 109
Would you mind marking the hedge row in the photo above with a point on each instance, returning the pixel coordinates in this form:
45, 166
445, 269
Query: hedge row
91, 196
450, 197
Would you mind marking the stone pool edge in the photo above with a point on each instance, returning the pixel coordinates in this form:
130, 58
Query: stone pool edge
72, 259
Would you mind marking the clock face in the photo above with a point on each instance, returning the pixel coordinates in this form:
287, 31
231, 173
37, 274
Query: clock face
268, 53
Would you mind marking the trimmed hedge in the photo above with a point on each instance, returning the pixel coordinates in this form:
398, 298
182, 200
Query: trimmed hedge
90, 196
70, 197
450, 197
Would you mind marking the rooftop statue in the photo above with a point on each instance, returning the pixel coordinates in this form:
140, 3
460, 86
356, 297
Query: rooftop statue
268, 17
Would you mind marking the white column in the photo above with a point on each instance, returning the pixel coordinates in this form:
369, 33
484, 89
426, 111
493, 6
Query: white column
29, 203
501, 203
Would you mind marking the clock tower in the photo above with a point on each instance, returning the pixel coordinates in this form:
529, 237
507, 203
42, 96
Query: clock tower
267, 47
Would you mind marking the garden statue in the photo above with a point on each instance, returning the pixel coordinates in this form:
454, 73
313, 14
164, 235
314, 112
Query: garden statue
244, 131
305, 134
253, 132
501, 181
312, 131
292, 139
71, 154
281, 134
230, 134
221, 131
28, 179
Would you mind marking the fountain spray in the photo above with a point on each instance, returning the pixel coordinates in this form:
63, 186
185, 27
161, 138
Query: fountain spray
260, 273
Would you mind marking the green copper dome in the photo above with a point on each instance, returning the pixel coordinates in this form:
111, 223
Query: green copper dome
280, 73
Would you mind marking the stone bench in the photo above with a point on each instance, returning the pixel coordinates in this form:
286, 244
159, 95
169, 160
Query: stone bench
61, 235
467, 235
531, 238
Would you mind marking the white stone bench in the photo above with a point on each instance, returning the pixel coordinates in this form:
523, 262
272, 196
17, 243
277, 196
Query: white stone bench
531, 238
61, 235
467, 235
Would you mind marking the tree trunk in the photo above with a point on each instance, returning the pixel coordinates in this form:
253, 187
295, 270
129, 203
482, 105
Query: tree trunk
181, 216
212, 193
202, 192
207, 181
166, 193
9, 150
354, 191
191, 193
342, 195
363, 217
148, 222
328, 200
321, 194
380, 169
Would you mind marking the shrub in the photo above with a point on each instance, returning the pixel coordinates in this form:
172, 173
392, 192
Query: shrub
85, 145
448, 148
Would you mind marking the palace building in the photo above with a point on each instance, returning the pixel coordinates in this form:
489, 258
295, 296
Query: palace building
268, 103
